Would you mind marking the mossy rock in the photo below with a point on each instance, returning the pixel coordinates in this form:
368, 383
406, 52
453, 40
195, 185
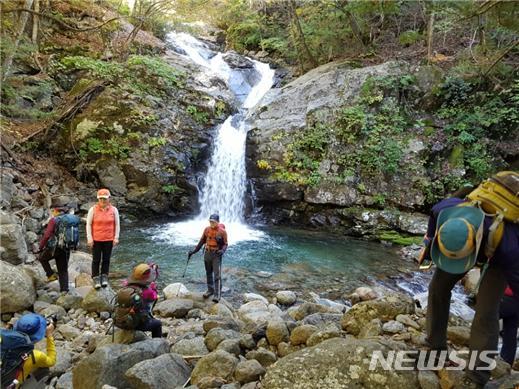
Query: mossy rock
396, 238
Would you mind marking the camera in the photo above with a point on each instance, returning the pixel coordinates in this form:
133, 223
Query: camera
52, 319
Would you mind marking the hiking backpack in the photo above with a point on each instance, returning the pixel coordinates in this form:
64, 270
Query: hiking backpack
66, 231
16, 347
498, 197
128, 308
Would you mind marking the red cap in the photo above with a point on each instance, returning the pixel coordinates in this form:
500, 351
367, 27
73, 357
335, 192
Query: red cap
103, 194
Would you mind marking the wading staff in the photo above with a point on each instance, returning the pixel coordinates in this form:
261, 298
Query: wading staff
187, 263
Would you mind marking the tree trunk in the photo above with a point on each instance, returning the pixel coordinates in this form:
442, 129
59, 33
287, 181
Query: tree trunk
9, 57
430, 32
301, 36
35, 22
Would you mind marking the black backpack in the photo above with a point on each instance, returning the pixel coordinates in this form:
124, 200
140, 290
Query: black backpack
66, 231
16, 347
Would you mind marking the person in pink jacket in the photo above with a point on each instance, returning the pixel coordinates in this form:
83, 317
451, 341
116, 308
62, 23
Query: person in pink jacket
102, 230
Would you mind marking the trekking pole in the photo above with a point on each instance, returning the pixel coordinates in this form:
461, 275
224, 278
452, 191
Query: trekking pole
187, 263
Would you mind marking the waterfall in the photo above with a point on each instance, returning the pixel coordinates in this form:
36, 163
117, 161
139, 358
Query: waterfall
225, 183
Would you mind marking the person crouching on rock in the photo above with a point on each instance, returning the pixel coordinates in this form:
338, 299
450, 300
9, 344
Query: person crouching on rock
215, 240
136, 299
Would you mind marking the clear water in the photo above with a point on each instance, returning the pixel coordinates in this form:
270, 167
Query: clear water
280, 259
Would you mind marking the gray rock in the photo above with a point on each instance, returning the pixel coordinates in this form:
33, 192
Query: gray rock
98, 300
247, 342
248, 371
108, 364
301, 334
459, 335
16, 288
164, 371
255, 312
232, 346
177, 308
320, 336
286, 297
219, 363
322, 320
63, 362
277, 332
226, 323
408, 321
69, 332
263, 356
218, 335
111, 176
65, 381
7, 189
70, 300
428, 380
11, 235
195, 346
337, 363
371, 329
306, 309
393, 327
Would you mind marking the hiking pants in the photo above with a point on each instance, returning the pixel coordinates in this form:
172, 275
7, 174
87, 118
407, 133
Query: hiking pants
62, 257
509, 312
45, 256
153, 325
213, 272
484, 333
101, 252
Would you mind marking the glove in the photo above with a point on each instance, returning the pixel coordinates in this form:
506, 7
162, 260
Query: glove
153, 285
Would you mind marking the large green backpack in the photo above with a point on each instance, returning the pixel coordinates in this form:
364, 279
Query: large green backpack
128, 308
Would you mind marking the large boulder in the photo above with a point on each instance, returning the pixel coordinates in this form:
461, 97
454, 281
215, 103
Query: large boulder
176, 290
165, 371
108, 364
177, 308
16, 288
99, 300
386, 308
217, 335
248, 371
307, 308
219, 363
80, 262
256, 312
286, 297
337, 363
111, 176
14, 248
195, 346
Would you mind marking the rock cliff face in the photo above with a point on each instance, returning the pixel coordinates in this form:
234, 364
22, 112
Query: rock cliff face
356, 150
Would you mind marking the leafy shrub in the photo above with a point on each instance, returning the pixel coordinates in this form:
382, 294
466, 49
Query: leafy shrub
408, 38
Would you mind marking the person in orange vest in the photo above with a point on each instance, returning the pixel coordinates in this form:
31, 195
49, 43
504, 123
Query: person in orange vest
215, 240
102, 235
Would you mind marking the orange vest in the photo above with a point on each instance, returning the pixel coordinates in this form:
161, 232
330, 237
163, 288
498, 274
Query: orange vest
103, 224
210, 237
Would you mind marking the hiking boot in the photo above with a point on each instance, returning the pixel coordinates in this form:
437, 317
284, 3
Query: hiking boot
104, 280
207, 294
216, 299
52, 277
97, 282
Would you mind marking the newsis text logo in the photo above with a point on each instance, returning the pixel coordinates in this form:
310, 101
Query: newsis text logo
432, 360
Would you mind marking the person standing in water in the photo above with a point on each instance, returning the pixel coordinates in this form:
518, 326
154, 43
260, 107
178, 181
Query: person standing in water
214, 238
102, 235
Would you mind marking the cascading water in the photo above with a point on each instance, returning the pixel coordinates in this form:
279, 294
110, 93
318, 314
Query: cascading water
224, 186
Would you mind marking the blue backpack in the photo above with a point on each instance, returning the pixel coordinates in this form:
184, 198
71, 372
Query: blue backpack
66, 232
15, 347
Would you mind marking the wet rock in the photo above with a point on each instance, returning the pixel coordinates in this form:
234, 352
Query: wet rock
386, 308
286, 297
322, 320
16, 288
108, 364
176, 290
408, 321
195, 346
277, 332
263, 356
219, 363
248, 371
337, 363
165, 371
177, 308
301, 334
365, 293
235, 60
306, 309
253, 297
255, 312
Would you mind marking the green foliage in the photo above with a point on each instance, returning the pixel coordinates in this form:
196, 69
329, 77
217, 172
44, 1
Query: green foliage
156, 141
171, 189
115, 146
408, 38
199, 116
399, 239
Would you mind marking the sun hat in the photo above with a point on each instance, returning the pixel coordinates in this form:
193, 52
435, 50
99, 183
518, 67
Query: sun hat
214, 217
458, 238
103, 194
33, 325
141, 274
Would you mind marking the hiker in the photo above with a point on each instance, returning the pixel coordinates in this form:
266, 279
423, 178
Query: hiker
215, 239
135, 301
509, 313
60, 237
21, 362
102, 235
459, 234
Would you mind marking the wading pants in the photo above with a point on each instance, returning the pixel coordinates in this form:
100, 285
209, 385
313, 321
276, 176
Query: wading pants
509, 312
213, 271
484, 333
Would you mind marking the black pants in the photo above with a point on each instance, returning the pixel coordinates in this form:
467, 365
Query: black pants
101, 253
45, 256
213, 272
153, 325
509, 312
484, 332
62, 257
